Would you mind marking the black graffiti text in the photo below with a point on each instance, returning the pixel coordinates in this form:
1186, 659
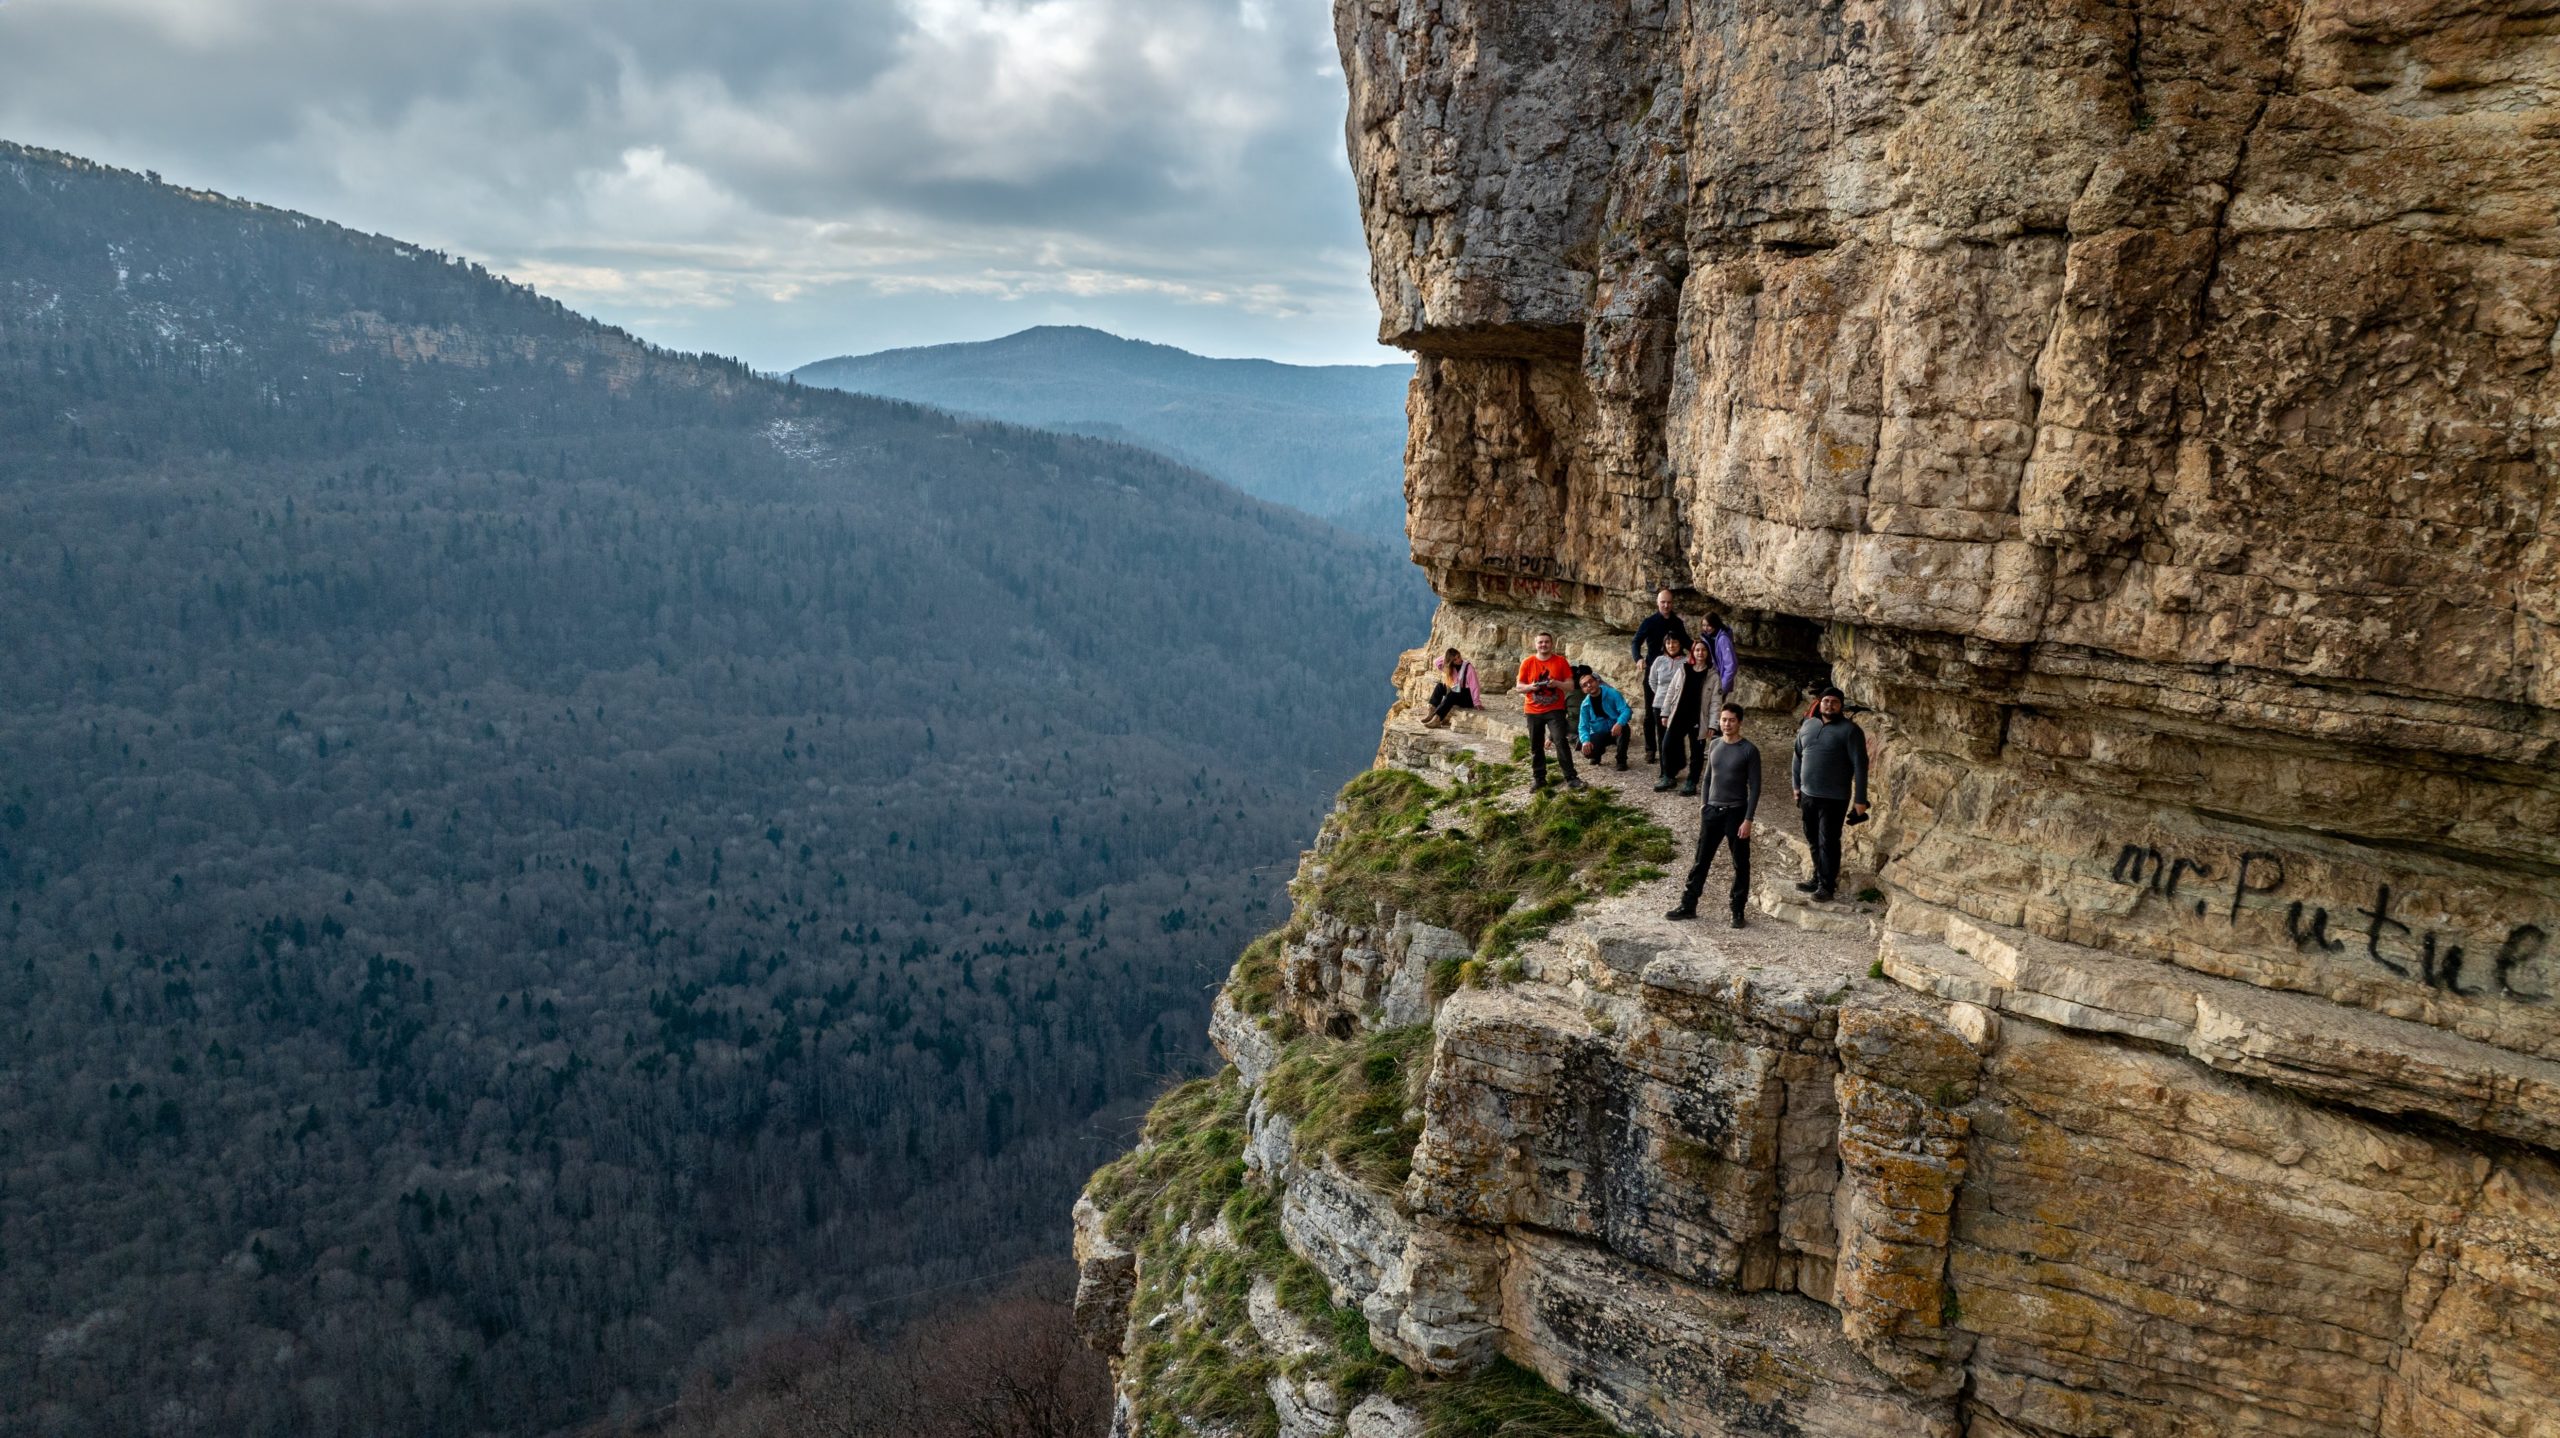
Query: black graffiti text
2438, 960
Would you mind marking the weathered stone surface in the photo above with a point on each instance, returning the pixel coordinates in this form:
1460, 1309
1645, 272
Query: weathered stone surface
2145, 1247
2482, 1351
1106, 1278
1670, 1143
1353, 1234
1902, 1160
1242, 1040
2149, 408
1382, 1417
1307, 1407
1343, 976
1434, 1307
1664, 1357
2346, 1056
2065, 323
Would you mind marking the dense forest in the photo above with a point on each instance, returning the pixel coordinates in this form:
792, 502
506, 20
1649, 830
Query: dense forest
535, 866
1327, 439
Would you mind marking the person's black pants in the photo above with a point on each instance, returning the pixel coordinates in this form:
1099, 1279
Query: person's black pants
1719, 824
1444, 699
1823, 821
1652, 724
1684, 747
1559, 726
1598, 749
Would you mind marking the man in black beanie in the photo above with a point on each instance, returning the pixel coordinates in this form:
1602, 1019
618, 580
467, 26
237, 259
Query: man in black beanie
1829, 781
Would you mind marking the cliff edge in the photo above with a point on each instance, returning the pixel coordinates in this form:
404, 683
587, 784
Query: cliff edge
2151, 412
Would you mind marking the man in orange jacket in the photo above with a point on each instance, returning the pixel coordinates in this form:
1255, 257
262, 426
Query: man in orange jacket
1547, 697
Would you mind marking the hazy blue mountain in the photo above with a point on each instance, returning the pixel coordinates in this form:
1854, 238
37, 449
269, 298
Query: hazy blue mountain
1326, 439
529, 861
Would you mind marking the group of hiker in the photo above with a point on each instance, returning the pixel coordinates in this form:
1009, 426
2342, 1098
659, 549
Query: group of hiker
1697, 745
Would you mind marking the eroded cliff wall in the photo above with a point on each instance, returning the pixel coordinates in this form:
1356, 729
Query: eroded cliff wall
2151, 412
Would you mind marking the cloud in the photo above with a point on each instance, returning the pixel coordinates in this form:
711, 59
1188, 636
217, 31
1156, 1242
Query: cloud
722, 167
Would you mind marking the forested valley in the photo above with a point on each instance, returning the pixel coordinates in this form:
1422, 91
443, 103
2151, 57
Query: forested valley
537, 866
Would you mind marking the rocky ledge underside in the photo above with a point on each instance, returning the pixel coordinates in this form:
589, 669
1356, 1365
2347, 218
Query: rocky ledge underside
2152, 411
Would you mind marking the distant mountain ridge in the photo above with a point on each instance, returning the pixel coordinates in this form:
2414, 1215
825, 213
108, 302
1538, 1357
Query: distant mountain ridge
1325, 439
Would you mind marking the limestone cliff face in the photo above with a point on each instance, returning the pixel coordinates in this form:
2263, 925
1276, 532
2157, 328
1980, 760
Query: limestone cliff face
2151, 411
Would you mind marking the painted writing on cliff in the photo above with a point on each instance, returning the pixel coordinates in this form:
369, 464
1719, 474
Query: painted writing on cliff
1522, 576
2513, 969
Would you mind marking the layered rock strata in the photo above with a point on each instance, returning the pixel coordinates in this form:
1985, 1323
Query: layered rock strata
2151, 414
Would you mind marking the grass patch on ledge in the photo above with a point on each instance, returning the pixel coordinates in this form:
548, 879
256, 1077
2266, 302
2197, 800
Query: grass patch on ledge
1254, 984
1460, 857
1356, 1101
1508, 1401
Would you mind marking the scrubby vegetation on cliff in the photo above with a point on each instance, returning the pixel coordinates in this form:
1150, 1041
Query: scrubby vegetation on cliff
1357, 1102
1206, 1230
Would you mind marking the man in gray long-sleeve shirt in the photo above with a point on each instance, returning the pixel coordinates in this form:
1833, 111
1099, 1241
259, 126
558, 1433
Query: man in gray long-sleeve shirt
1828, 781
1733, 798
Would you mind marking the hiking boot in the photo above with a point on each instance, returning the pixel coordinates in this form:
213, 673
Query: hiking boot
1822, 896
1665, 786
1806, 886
1622, 763
1575, 784
1689, 790
1737, 918
1682, 912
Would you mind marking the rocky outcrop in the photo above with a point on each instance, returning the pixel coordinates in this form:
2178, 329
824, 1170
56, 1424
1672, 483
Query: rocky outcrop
2150, 413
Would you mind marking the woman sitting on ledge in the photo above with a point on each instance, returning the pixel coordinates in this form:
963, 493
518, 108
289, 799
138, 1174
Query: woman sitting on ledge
1455, 689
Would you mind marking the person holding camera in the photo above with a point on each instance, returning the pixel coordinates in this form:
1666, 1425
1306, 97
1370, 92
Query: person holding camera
1546, 697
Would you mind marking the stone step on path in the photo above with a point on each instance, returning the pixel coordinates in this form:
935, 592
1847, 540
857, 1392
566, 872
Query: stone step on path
1779, 855
1791, 858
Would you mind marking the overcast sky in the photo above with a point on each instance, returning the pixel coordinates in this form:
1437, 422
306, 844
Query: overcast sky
781, 180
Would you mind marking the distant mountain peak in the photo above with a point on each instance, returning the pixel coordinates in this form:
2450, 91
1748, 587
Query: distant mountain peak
1326, 439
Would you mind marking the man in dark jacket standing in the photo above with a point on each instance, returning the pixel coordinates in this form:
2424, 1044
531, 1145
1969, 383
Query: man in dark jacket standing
1829, 782
1662, 630
1733, 797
